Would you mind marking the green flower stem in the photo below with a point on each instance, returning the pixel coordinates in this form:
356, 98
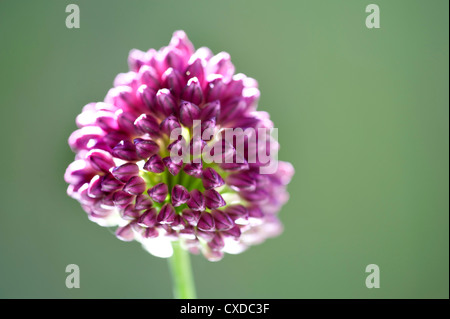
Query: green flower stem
180, 267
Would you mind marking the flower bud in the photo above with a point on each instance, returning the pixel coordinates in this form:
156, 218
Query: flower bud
166, 102
147, 124
173, 80
145, 148
149, 76
197, 200
148, 218
195, 69
206, 222
166, 215
180, 195
193, 169
173, 167
125, 233
188, 113
94, 189
192, 92
122, 199
143, 201
158, 192
216, 242
135, 186
211, 179
191, 216
155, 164
126, 171
169, 124
211, 110
242, 181
129, 212
222, 220
110, 184
213, 199
125, 150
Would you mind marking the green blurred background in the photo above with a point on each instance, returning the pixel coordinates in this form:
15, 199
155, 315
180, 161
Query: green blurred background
362, 114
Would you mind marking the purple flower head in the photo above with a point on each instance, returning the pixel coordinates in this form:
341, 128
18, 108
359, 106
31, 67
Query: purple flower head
220, 197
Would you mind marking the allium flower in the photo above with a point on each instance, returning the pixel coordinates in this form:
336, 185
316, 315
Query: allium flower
125, 173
